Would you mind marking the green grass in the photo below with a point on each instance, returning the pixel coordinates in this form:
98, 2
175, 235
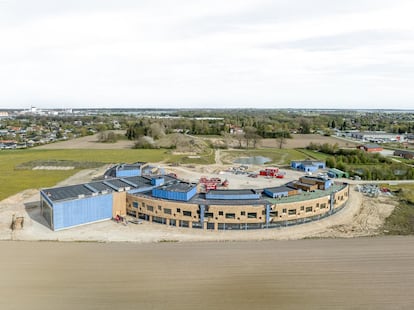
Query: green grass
401, 220
13, 180
313, 155
277, 156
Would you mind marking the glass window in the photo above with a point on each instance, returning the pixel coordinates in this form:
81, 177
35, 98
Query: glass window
252, 215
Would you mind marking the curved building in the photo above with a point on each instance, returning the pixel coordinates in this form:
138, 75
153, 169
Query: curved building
170, 201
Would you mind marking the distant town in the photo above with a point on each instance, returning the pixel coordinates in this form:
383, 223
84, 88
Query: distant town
30, 127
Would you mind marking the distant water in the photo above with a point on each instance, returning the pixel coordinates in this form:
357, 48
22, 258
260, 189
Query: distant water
254, 160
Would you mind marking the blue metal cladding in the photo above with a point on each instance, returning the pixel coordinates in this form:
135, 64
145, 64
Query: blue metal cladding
128, 173
157, 181
172, 195
82, 211
310, 168
276, 195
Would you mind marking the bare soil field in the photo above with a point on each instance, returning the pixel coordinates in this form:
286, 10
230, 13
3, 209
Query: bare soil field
363, 273
88, 142
302, 141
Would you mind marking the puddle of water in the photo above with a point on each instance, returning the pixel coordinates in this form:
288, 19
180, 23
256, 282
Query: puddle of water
254, 160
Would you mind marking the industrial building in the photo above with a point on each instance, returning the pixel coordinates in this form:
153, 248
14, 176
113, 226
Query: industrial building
378, 136
125, 170
336, 173
370, 148
170, 201
404, 154
307, 165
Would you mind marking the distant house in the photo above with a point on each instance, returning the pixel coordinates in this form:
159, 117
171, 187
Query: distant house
404, 154
370, 147
307, 165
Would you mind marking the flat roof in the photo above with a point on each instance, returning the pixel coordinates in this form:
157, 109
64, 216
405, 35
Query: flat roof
231, 192
177, 186
97, 187
306, 177
307, 195
280, 189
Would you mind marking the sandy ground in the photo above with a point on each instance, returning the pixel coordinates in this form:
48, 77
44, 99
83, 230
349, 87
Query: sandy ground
362, 216
297, 141
302, 141
362, 273
88, 142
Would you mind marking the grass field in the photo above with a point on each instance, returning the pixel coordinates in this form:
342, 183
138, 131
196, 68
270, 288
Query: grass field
313, 155
14, 180
401, 220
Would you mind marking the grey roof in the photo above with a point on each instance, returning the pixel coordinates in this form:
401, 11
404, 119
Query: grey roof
371, 146
62, 193
231, 192
96, 188
177, 186
281, 189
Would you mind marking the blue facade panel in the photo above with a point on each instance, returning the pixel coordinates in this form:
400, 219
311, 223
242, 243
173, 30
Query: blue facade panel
82, 211
157, 181
128, 173
172, 195
276, 195
309, 168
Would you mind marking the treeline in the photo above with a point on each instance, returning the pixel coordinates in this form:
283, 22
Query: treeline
369, 166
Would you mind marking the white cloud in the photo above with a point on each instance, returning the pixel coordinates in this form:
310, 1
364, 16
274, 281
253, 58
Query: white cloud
206, 53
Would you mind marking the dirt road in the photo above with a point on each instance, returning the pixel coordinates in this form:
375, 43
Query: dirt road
363, 273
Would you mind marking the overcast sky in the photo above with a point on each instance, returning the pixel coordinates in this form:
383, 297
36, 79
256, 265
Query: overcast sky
207, 54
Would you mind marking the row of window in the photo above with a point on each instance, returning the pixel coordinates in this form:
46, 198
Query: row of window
251, 215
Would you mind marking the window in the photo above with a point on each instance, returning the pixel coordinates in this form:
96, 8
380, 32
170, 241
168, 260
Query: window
135, 204
209, 214
150, 208
178, 210
252, 215
273, 213
323, 206
263, 212
159, 208
317, 205
302, 208
284, 211
243, 213
167, 211
221, 213
308, 209
292, 211
187, 213
230, 215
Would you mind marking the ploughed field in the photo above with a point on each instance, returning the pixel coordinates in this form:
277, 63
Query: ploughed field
363, 273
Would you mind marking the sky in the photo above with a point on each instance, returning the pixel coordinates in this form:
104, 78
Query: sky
326, 54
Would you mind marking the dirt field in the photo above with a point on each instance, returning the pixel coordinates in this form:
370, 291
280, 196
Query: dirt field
302, 141
89, 142
363, 273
